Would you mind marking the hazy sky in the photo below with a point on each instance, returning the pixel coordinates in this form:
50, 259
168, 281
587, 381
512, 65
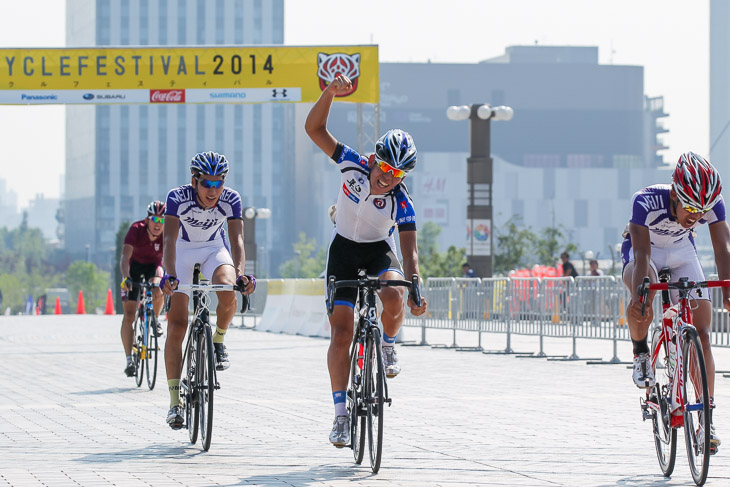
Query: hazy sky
670, 38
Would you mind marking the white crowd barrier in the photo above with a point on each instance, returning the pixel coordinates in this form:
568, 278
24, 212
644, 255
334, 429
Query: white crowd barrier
295, 306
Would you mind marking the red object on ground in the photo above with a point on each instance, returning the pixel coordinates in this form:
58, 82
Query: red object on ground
37, 311
109, 310
58, 306
80, 309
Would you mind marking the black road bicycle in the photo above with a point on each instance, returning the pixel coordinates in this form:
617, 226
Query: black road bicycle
367, 390
198, 378
145, 347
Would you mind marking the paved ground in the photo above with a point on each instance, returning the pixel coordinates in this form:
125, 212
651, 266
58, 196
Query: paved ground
68, 416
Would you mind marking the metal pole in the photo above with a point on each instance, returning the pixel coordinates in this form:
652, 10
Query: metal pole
479, 197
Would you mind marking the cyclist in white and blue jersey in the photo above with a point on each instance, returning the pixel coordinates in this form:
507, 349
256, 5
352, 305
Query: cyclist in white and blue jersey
194, 233
372, 201
661, 234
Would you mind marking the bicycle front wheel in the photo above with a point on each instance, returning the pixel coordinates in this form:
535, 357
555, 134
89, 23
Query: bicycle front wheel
374, 397
696, 397
191, 387
206, 386
659, 397
139, 349
152, 349
355, 404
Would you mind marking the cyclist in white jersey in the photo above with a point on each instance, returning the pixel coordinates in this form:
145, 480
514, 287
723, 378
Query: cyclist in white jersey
371, 203
660, 234
194, 234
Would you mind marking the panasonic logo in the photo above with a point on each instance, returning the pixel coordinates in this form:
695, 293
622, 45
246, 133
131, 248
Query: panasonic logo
23, 96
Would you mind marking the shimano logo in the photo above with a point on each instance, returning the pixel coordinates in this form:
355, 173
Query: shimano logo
229, 95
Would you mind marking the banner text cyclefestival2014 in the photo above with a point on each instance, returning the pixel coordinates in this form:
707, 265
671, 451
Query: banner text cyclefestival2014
116, 68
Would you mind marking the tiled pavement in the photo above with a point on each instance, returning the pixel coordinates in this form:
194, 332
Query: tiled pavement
69, 416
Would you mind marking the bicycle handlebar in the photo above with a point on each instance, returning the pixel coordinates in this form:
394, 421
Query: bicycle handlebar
375, 284
682, 284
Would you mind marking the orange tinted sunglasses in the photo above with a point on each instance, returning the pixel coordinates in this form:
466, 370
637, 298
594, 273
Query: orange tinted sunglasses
387, 168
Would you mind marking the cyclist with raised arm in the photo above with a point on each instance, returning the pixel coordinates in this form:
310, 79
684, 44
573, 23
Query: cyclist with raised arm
660, 234
195, 234
371, 203
141, 256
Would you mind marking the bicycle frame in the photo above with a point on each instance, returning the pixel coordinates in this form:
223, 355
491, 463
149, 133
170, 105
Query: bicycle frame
367, 324
145, 310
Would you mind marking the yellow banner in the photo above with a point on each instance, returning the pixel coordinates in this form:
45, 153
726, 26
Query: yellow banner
304, 69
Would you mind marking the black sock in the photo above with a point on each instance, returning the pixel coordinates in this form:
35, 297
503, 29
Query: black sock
640, 346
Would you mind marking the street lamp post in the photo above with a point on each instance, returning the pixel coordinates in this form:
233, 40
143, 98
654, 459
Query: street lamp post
479, 180
249, 232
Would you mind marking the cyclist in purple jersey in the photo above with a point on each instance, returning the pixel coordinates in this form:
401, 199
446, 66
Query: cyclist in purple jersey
141, 256
194, 234
372, 201
660, 234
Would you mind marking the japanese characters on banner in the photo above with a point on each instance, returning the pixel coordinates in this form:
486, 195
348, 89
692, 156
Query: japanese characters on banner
245, 74
478, 234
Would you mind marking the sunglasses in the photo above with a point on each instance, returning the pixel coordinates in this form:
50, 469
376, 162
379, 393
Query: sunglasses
387, 168
689, 209
208, 184
157, 219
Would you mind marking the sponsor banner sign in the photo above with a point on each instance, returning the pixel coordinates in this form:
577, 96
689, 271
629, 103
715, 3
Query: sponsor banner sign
244, 74
478, 233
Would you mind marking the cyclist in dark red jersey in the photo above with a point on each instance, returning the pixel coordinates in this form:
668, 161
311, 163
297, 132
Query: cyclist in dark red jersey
141, 256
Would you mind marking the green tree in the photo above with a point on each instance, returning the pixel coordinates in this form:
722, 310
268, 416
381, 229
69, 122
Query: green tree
431, 262
550, 243
85, 276
514, 246
121, 233
309, 259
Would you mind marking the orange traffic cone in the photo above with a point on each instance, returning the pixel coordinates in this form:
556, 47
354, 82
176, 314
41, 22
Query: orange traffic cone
58, 306
80, 309
37, 311
109, 310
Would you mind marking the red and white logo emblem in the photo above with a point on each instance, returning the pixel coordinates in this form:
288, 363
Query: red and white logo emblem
167, 96
332, 65
379, 203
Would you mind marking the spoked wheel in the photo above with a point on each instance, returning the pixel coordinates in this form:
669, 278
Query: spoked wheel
696, 396
191, 395
665, 437
139, 350
206, 387
152, 349
374, 397
354, 405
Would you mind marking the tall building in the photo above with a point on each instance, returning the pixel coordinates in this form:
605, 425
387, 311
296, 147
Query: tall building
720, 86
121, 157
9, 216
583, 139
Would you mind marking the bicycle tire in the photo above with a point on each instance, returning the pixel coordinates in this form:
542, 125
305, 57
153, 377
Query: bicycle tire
206, 387
695, 392
354, 406
665, 437
138, 350
152, 349
191, 397
375, 377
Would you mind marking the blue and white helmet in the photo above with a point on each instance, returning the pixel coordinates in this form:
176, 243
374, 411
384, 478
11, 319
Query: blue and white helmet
396, 147
210, 164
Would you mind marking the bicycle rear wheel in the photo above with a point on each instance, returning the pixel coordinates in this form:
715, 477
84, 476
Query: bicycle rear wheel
696, 396
354, 405
374, 397
191, 396
665, 437
206, 386
138, 349
152, 349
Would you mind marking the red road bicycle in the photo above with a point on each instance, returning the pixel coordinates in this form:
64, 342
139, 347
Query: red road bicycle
681, 395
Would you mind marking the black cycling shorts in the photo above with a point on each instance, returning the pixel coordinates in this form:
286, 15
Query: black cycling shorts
136, 271
346, 257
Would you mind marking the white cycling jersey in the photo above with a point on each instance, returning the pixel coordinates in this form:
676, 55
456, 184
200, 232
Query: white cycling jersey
361, 216
200, 225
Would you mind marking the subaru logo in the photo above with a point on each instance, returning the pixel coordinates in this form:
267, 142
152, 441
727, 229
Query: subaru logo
88, 96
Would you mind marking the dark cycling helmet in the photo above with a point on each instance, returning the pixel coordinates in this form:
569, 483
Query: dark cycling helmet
209, 163
696, 182
156, 208
396, 148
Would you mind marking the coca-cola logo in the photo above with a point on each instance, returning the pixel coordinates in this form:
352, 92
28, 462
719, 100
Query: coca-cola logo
167, 96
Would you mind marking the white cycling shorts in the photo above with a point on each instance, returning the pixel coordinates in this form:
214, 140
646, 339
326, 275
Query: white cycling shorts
681, 261
209, 257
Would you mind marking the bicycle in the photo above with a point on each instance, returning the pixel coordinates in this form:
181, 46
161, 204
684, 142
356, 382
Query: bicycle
145, 346
198, 378
681, 395
367, 390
